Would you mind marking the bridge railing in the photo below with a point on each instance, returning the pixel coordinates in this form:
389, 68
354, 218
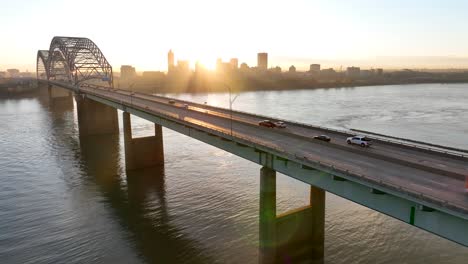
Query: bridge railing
279, 151
400, 141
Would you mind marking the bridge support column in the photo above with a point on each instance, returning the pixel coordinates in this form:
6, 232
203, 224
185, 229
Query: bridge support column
267, 219
142, 152
95, 118
56, 97
296, 236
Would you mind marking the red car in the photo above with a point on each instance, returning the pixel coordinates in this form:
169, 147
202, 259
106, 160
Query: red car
266, 123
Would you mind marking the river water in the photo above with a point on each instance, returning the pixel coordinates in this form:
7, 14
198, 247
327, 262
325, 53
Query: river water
68, 200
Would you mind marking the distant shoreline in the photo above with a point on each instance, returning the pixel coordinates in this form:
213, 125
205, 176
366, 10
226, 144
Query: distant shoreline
318, 86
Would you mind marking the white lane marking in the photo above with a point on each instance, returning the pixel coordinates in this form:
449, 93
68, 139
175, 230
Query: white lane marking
438, 183
422, 186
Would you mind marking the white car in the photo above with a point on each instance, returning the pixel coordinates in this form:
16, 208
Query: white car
359, 140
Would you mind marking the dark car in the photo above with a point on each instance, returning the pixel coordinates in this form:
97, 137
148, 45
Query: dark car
171, 101
323, 138
266, 123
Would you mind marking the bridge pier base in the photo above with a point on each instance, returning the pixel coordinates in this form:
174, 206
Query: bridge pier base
95, 118
142, 152
296, 236
55, 97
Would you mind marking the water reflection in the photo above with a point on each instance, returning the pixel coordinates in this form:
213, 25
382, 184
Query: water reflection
55, 99
139, 203
68, 200
137, 198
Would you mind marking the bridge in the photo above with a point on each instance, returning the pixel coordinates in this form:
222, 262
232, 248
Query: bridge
419, 184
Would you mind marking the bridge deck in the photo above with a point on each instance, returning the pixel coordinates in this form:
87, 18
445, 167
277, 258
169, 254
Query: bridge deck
430, 173
432, 160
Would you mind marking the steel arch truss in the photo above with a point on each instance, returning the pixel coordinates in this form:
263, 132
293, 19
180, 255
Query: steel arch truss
74, 60
42, 71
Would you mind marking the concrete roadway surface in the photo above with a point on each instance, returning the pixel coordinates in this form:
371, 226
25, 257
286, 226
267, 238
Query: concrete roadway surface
433, 160
416, 179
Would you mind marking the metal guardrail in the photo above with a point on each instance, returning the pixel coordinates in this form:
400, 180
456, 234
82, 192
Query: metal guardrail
224, 114
412, 140
343, 132
253, 142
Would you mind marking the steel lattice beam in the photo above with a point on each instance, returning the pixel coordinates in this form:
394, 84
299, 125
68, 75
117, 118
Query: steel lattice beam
42, 71
74, 60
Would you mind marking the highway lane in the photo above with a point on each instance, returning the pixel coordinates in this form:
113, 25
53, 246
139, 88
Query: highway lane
432, 160
416, 180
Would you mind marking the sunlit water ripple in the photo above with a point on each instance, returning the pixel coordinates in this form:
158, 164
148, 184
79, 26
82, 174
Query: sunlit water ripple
63, 200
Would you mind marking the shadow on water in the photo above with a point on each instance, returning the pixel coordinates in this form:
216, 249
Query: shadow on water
137, 199
57, 100
139, 203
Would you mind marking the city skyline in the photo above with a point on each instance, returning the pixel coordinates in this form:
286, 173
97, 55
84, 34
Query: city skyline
388, 34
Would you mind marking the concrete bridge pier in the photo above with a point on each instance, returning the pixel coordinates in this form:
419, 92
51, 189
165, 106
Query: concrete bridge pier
294, 237
57, 97
95, 118
144, 152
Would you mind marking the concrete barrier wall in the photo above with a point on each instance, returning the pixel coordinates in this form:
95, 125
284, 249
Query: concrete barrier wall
363, 151
355, 150
341, 132
173, 122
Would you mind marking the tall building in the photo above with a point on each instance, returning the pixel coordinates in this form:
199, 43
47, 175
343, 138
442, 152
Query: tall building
170, 61
153, 75
127, 72
199, 67
353, 72
183, 66
262, 61
276, 69
329, 73
244, 67
234, 63
219, 64
225, 67
366, 73
315, 68
13, 72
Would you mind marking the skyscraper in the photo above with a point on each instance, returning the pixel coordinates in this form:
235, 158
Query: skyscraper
183, 66
314, 68
353, 72
170, 61
234, 63
127, 72
219, 64
262, 61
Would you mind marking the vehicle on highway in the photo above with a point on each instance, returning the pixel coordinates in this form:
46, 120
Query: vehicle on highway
171, 101
185, 106
280, 124
323, 138
362, 141
266, 123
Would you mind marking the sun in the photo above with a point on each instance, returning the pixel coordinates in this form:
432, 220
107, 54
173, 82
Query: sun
207, 65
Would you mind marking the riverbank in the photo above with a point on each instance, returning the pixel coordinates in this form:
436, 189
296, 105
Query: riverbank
279, 86
17, 87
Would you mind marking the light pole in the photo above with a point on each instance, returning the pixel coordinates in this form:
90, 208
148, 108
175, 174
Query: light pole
131, 94
231, 101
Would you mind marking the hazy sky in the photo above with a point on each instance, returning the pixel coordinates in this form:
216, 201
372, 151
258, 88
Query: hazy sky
332, 32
